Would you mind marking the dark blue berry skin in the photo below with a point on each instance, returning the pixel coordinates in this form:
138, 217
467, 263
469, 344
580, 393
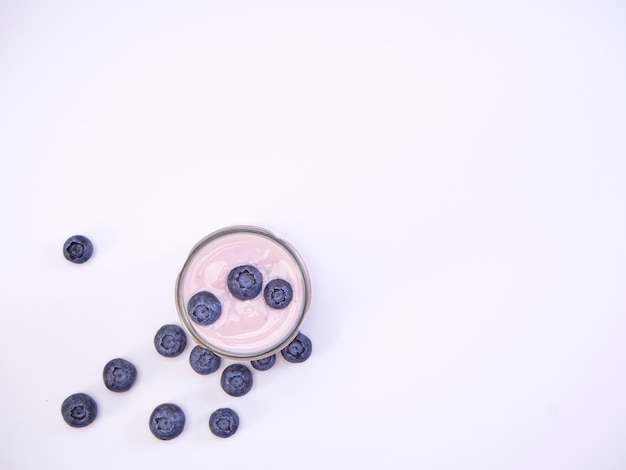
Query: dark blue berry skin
167, 421
236, 380
170, 340
298, 350
224, 422
204, 361
264, 364
77, 249
119, 375
245, 282
79, 410
204, 308
278, 293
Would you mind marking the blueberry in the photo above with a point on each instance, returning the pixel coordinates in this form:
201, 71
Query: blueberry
119, 375
77, 249
278, 293
265, 363
298, 350
224, 422
79, 410
204, 361
167, 421
236, 380
170, 340
245, 282
204, 308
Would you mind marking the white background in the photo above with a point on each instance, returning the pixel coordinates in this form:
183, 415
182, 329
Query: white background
454, 174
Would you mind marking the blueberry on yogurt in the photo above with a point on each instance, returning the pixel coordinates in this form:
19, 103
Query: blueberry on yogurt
236, 380
204, 361
79, 410
278, 293
245, 282
224, 422
119, 375
167, 421
204, 308
77, 249
298, 350
170, 340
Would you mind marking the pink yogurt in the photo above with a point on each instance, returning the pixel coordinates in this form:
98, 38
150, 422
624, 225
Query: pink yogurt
246, 329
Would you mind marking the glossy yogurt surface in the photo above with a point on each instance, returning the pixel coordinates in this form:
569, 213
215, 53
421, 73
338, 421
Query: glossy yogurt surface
246, 328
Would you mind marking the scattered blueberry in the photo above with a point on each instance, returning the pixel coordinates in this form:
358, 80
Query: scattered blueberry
204, 308
298, 350
119, 375
224, 422
170, 340
236, 380
265, 363
77, 249
204, 361
167, 421
245, 282
278, 293
79, 410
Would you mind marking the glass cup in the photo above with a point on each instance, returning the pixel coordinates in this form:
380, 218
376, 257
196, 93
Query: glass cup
251, 328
